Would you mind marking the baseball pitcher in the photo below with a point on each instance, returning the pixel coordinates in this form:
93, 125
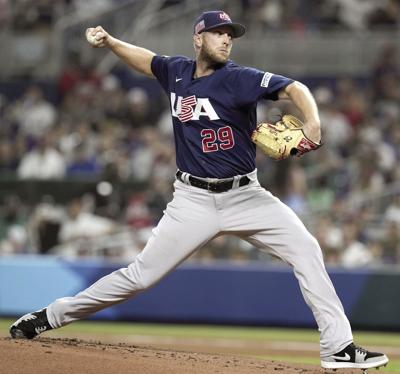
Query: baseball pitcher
213, 107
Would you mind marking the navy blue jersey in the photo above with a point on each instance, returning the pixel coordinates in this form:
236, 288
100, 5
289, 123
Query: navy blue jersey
215, 115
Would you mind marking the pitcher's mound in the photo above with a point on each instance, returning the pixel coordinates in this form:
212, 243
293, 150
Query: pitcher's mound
65, 356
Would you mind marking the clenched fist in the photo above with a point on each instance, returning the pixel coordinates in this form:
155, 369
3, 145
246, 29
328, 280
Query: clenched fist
97, 36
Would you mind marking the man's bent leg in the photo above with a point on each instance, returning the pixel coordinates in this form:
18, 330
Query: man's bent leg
275, 228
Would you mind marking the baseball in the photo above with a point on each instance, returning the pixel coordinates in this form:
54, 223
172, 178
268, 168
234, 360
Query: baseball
95, 39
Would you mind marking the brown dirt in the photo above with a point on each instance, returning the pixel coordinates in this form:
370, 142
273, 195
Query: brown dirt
56, 356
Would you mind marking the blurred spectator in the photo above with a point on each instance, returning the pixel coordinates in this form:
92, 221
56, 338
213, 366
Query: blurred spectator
385, 76
137, 212
336, 128
385, 154
392, 213
42, 162
138, 108
391, 243
44, 224
13, 233
366, 176
12, 213
83, 164
386, 62
82, 224
34, 113
296, 190
15, 242
330, 238
138, 216
321, 196
115, 103
386, 16
356, 253
8, 158
350, 101
354, 13
70, 76
145, 153
376, 249
75, 75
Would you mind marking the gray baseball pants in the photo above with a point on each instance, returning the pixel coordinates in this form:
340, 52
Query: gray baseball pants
194, 217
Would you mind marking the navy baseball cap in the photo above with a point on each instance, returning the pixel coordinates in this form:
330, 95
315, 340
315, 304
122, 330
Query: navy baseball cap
212, 19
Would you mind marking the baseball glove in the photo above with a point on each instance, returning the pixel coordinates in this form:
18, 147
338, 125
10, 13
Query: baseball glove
283, 139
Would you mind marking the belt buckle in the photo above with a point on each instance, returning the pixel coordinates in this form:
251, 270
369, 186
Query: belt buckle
217, 187
210, 187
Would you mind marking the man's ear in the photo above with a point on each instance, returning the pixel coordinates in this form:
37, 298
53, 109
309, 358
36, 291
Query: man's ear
197, 40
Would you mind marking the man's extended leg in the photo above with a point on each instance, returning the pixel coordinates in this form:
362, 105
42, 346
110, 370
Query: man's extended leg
188, 223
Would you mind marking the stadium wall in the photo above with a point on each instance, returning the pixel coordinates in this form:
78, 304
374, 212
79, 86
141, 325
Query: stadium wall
222, 293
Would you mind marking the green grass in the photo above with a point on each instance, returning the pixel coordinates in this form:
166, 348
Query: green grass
215, 332
227, 332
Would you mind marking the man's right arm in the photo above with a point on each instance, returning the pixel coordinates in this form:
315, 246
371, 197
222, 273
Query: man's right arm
136, 57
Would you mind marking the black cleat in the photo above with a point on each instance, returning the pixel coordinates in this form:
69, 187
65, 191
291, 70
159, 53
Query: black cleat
30, 325
354, 357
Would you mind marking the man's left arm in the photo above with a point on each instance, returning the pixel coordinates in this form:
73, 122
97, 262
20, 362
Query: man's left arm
302, 98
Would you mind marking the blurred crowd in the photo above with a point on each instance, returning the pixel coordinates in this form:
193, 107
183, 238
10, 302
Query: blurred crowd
259, 15
347, 193
323, 15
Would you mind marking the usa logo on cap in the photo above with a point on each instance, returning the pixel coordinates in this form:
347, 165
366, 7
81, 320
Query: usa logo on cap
225, 17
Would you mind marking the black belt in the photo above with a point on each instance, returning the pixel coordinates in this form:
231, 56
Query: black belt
217, 187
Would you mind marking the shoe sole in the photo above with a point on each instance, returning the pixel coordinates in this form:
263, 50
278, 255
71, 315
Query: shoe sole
353, 365
17, 334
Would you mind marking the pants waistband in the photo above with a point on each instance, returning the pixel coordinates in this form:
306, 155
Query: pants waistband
217, 186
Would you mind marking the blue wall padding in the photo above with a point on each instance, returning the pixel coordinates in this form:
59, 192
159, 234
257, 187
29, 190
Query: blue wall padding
213, 293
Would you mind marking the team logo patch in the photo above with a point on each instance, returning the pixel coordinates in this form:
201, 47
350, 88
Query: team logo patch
199, 27
265, 79
224, 17
192, 108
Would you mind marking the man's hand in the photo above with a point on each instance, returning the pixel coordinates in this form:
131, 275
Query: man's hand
136, 57
97, 37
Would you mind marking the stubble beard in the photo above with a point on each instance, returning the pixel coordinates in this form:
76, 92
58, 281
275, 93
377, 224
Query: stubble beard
211, 57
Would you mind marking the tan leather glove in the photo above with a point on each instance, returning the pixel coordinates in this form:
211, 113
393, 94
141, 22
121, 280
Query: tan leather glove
283, 139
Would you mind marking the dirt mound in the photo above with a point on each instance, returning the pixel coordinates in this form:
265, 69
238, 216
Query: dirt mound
47, 355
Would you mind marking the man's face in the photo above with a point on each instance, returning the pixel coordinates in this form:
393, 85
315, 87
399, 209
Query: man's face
216, 45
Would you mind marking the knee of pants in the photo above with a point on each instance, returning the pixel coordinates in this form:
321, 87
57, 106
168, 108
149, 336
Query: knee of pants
144, 282
141, 279
309, 247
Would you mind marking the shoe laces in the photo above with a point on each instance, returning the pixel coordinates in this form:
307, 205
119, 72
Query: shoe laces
37, 322
359, 349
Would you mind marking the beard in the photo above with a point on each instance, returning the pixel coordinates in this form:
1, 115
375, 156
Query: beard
212, 57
